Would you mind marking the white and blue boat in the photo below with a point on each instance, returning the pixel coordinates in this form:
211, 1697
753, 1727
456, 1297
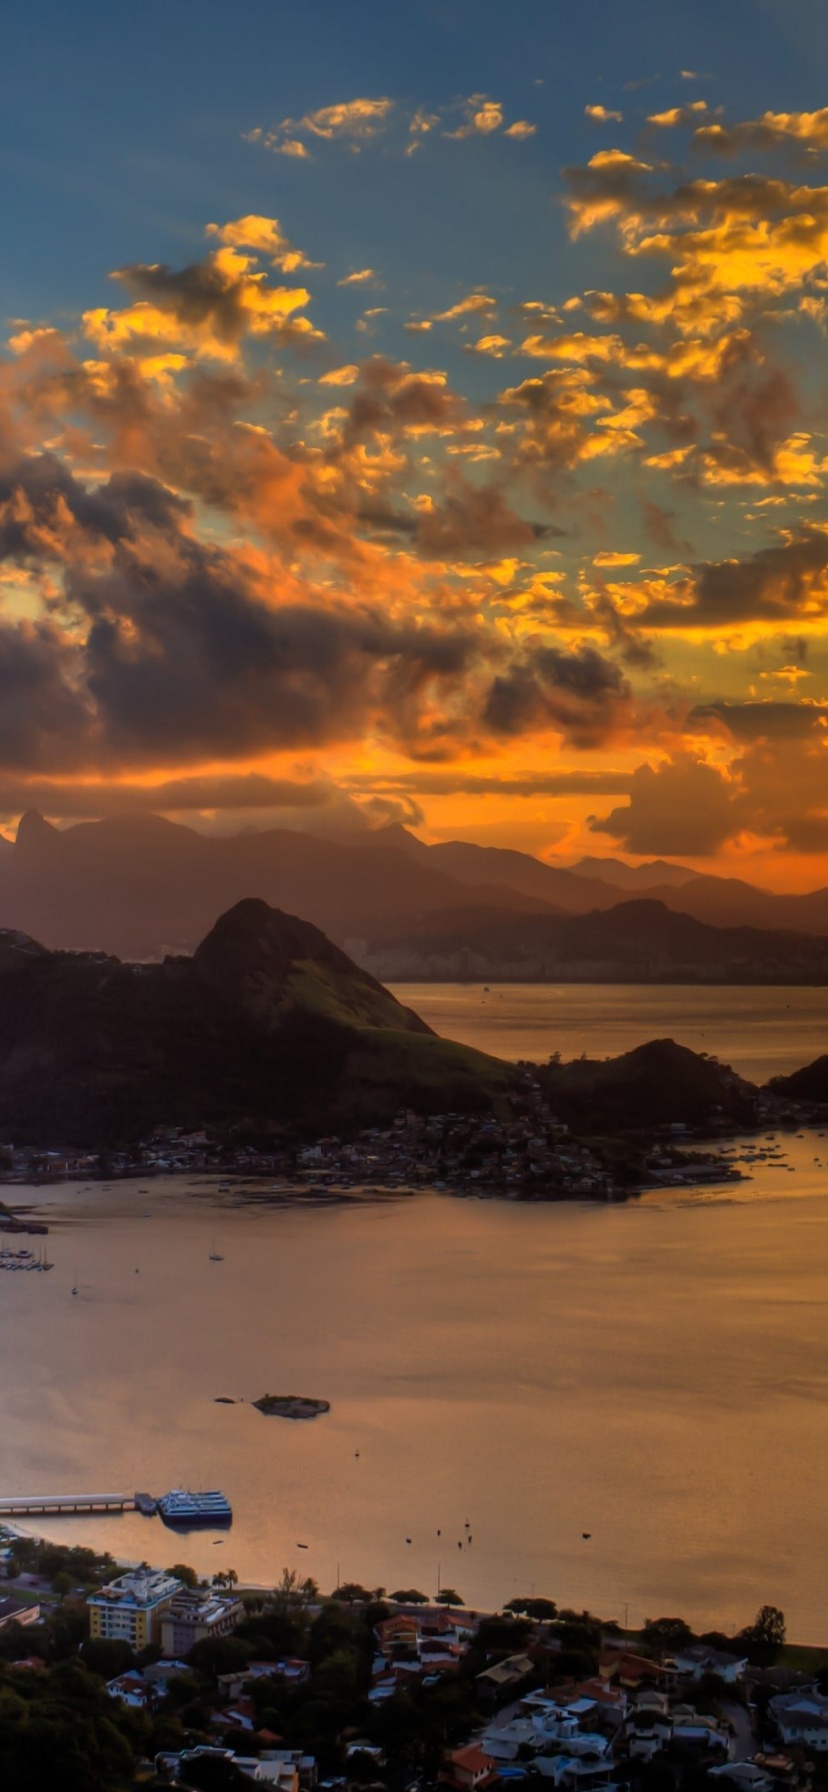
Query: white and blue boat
184, 1511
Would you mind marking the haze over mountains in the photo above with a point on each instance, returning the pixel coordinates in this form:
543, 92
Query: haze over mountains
640, 941
140, 886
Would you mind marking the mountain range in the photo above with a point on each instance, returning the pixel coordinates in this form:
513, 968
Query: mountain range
140, 887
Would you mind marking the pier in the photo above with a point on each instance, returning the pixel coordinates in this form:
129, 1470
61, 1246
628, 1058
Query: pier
52, 1505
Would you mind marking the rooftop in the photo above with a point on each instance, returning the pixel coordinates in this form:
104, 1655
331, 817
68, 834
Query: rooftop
141, 1590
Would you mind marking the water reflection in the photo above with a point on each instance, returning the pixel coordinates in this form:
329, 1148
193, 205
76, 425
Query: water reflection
761, 1032
652, 1374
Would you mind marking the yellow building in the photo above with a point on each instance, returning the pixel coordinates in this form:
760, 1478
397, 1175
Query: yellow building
130, 1608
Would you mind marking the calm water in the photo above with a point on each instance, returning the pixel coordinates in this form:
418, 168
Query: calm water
761, 1032
655, 1374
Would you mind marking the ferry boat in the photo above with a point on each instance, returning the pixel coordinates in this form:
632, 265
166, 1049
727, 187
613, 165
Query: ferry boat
184, 1510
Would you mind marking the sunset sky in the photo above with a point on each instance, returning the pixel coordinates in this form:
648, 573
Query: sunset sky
419, 411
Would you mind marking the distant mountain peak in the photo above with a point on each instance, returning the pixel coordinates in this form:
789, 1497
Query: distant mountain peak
633, 877
33, 828
253, 932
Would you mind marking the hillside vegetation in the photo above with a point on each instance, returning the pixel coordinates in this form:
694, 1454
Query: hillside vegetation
267, 1026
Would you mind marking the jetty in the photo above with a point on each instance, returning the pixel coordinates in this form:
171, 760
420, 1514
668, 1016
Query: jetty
52, 1505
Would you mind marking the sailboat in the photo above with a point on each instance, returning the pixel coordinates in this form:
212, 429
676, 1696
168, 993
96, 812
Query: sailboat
216, 1256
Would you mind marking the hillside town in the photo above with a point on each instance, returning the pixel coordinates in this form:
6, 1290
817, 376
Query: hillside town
211, 1685
533, 1154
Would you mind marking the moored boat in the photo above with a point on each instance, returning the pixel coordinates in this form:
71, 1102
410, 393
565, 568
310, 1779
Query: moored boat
185, 1510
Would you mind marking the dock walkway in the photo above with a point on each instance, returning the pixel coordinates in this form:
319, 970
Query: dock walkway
50, 1505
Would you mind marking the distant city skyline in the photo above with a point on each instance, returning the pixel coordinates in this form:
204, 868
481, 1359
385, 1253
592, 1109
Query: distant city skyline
420, 414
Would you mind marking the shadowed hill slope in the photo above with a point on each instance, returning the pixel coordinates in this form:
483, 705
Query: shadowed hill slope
656, 1084
268, 1025
808, 1084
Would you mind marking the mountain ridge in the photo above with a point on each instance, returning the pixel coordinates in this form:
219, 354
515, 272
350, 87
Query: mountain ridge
638, 940
141, 886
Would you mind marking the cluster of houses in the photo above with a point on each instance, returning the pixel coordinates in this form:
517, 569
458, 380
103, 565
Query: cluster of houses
531, 1153
589, 1737
692, 1706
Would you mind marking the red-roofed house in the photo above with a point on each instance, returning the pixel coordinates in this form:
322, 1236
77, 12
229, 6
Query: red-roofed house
469, 1769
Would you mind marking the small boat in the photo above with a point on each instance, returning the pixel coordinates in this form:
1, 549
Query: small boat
216, 1256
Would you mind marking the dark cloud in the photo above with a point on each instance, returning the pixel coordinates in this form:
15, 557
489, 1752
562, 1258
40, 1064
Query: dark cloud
776, 584
578, 692
243, 791
476, 522
175, 650
460, 782
660, 527
802, 134
761, 721
684, 807
190, 661
390, 399
45, 716
752, 414
45, 512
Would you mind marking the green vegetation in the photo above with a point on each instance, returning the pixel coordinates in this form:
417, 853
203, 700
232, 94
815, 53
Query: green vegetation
268, 1028
384, 1072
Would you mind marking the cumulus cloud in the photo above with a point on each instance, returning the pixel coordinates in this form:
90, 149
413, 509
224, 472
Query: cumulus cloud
206, 308
265, 235
683, 808
780, 584
482, 116
772, 130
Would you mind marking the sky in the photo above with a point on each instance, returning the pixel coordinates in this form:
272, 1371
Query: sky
418, 413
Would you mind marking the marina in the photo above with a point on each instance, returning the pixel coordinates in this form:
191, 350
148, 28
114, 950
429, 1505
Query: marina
22, 1260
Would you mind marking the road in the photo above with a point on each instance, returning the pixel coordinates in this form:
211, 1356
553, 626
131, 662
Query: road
744, 1741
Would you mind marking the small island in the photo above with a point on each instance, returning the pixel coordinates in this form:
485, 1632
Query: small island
291, 1406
